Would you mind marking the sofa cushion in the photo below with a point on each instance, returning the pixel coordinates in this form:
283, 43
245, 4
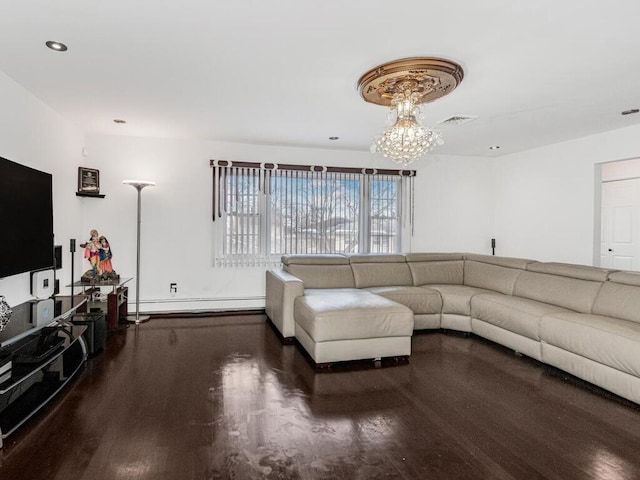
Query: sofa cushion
433, 257
315, 259
384, 274
320, 271
457, 298
606, 340
351, 315
419, 300
618, 300
515, 314
508, 262
626, 278
581, 272
492, 276
377, 258
571, 293
328, 291
449, 272
323, 276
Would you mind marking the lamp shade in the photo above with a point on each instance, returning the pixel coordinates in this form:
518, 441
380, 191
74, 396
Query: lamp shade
139, 183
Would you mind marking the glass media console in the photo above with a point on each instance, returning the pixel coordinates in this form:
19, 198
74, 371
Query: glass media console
40, 351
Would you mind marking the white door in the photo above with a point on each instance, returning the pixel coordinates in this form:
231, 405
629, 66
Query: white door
620, 237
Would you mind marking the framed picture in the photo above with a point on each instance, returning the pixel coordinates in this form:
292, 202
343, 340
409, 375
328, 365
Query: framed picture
88, 180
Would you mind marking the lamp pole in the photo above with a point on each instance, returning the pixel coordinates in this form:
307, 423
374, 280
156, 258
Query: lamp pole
138, 185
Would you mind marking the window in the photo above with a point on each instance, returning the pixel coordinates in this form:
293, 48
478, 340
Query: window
264, 211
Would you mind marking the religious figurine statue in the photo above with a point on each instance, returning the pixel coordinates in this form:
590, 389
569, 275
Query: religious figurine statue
98, 251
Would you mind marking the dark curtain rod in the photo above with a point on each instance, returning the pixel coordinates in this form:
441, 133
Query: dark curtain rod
311, 168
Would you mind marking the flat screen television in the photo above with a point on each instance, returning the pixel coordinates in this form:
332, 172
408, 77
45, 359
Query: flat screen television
26, 219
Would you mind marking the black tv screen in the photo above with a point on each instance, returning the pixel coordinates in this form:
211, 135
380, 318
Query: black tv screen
26, 217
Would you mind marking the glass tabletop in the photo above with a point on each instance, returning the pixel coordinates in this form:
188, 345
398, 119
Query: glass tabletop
31, 316
116, 282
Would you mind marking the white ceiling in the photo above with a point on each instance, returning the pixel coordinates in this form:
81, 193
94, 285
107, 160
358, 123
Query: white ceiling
285, 72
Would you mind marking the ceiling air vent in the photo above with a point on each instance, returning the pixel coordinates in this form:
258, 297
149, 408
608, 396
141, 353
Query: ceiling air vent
457, 119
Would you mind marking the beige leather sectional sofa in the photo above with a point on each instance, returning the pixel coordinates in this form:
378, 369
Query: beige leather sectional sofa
583, 320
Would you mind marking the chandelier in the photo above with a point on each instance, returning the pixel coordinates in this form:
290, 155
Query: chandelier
403, 85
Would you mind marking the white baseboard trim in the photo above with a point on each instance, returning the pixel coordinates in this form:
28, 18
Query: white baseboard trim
162, 305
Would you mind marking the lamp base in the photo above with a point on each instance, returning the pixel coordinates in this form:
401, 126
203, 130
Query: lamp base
137, 319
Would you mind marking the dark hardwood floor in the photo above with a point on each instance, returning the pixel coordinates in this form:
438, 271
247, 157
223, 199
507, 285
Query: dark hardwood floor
222, 398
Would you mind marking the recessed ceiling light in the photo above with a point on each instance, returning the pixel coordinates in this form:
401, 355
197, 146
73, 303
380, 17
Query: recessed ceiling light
629, 112
57, 46
334, 138
118, 120
494, 147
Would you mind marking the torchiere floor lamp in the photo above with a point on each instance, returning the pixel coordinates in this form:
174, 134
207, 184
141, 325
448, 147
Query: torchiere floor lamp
138, 185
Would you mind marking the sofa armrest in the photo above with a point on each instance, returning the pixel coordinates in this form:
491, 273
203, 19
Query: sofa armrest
282, 290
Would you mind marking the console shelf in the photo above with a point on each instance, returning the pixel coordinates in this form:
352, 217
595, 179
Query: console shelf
32, 385
116, 304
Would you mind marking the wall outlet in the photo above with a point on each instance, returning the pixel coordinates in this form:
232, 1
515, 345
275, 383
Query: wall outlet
173, 289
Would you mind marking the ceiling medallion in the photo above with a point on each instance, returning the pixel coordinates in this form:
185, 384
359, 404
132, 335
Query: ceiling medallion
403, 85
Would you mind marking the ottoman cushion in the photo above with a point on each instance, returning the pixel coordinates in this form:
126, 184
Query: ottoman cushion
352, 315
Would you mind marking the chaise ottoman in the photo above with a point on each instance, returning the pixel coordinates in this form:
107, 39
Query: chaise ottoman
352, 325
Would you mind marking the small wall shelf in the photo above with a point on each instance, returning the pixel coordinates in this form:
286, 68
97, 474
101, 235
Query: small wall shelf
85, 194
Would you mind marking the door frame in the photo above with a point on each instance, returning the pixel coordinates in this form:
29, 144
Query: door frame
597, 210
597, 215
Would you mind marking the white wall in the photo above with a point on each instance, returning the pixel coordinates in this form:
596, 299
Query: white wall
33, 135
545, 197
176, 214
454, 204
